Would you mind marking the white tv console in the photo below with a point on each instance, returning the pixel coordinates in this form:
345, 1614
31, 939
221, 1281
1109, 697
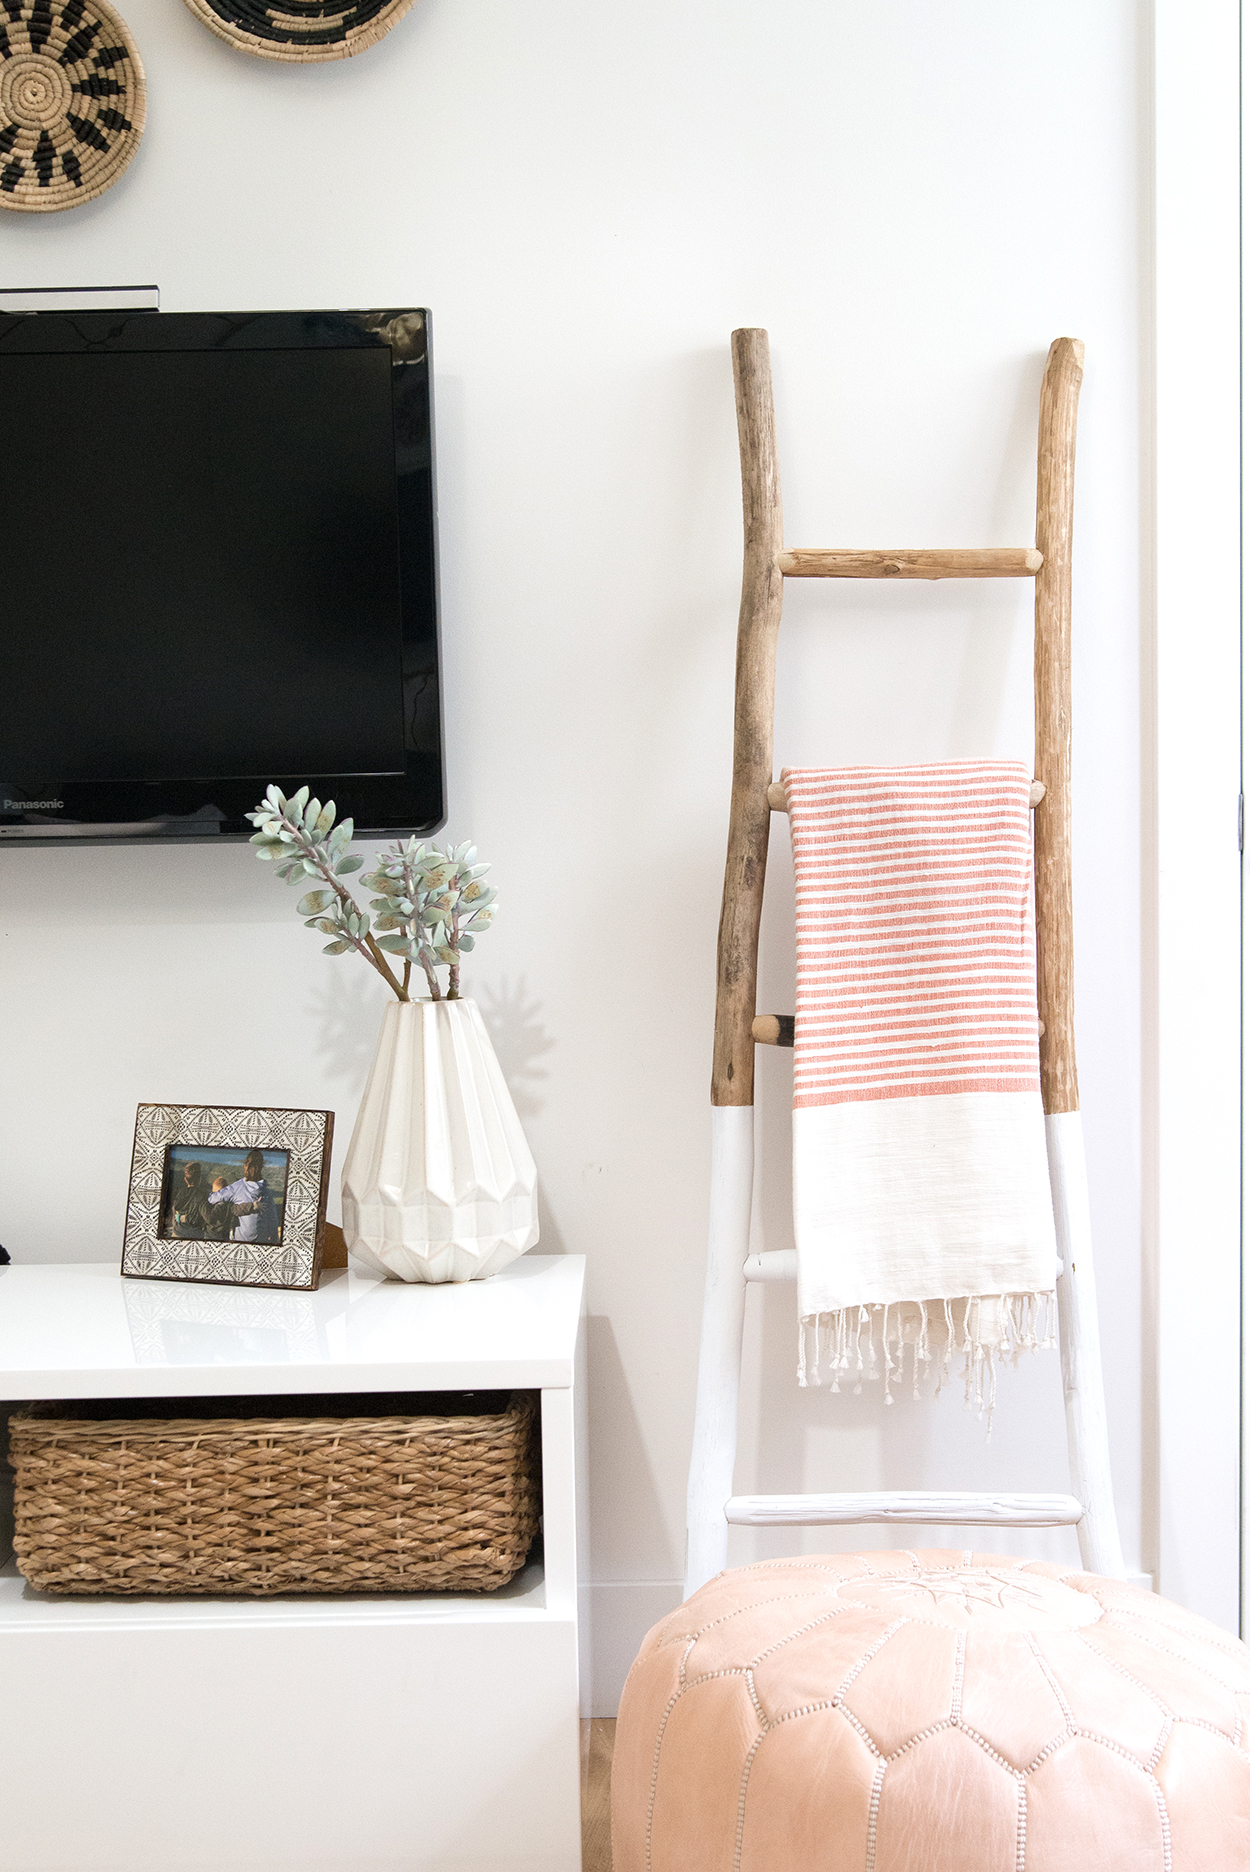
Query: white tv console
411, 1733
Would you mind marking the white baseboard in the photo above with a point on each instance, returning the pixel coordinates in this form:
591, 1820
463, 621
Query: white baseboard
622, 1612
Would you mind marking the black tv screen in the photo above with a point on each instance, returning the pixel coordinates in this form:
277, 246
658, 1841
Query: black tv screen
218, 568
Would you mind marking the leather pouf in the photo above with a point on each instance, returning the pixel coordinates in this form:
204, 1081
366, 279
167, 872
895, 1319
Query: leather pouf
932, 1712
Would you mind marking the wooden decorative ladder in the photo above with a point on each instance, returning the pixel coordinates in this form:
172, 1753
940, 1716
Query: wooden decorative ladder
711, 1504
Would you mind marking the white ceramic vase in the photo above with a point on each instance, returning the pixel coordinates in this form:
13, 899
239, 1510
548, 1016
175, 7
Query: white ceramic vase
438, 1182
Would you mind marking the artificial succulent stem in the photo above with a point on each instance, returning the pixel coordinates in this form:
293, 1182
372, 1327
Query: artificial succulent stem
436, 993
453, 971
364, 945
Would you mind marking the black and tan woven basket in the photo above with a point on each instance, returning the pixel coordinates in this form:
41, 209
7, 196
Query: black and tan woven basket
73, 99
412, 1498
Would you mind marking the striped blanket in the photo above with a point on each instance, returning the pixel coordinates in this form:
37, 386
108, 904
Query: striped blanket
921, 1193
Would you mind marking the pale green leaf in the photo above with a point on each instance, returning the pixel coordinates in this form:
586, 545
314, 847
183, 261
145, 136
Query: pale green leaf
336, 948
315, 902
347, 865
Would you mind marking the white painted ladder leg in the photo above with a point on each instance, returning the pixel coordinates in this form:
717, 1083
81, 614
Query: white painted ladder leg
1089, 1457
720, 1344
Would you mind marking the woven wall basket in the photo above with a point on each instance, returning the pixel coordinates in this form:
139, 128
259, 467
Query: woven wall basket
72, 103
298, 30
276, 1504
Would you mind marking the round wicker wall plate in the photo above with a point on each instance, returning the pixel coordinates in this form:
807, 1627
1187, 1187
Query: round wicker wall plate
303, 32
72, 102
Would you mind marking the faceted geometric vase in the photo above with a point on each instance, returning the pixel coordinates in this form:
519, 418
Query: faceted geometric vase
438, 1182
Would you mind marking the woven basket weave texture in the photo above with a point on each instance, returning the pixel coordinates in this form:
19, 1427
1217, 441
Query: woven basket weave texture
73, 99
263, 1505
301, 32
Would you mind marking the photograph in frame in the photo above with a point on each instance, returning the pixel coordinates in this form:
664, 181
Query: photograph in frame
228, 1194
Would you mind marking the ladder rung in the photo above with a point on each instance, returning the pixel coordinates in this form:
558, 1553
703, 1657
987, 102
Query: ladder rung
912, 563
777, 795
778, 1030
775, 1264
782, 1264
773, 1030
909, 1506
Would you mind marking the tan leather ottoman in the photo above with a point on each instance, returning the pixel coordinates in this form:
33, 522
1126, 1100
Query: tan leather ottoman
932, 1712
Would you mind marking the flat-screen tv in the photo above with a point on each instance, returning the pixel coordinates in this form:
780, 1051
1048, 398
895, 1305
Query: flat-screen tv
218, 568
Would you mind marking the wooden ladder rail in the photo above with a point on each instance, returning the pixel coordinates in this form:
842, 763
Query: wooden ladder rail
766, 565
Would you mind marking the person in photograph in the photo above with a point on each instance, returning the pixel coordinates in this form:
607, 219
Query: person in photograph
189, 1201
193, 1219
257, 1219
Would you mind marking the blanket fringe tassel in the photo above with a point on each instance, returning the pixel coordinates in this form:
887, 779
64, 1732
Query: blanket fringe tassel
859, 1342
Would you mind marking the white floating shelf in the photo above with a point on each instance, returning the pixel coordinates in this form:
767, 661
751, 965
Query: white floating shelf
79, 1330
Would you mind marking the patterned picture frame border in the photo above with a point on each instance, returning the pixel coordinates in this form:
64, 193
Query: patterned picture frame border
295, 1261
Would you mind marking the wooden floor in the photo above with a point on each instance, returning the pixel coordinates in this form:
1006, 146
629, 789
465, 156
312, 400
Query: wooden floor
598, 1736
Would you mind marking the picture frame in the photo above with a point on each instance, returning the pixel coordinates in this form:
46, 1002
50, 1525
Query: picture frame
231, 1195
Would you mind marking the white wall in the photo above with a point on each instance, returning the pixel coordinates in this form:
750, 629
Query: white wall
1192, 1041
914, 200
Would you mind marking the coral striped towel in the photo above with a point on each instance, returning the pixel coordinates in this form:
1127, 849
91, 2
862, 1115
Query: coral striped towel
922, 1209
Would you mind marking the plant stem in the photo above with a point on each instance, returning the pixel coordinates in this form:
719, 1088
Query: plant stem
411, 893
374, 954
453, 968
364, 946
436, 992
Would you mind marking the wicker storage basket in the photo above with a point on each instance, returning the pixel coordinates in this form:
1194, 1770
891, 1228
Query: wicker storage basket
417, 1499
